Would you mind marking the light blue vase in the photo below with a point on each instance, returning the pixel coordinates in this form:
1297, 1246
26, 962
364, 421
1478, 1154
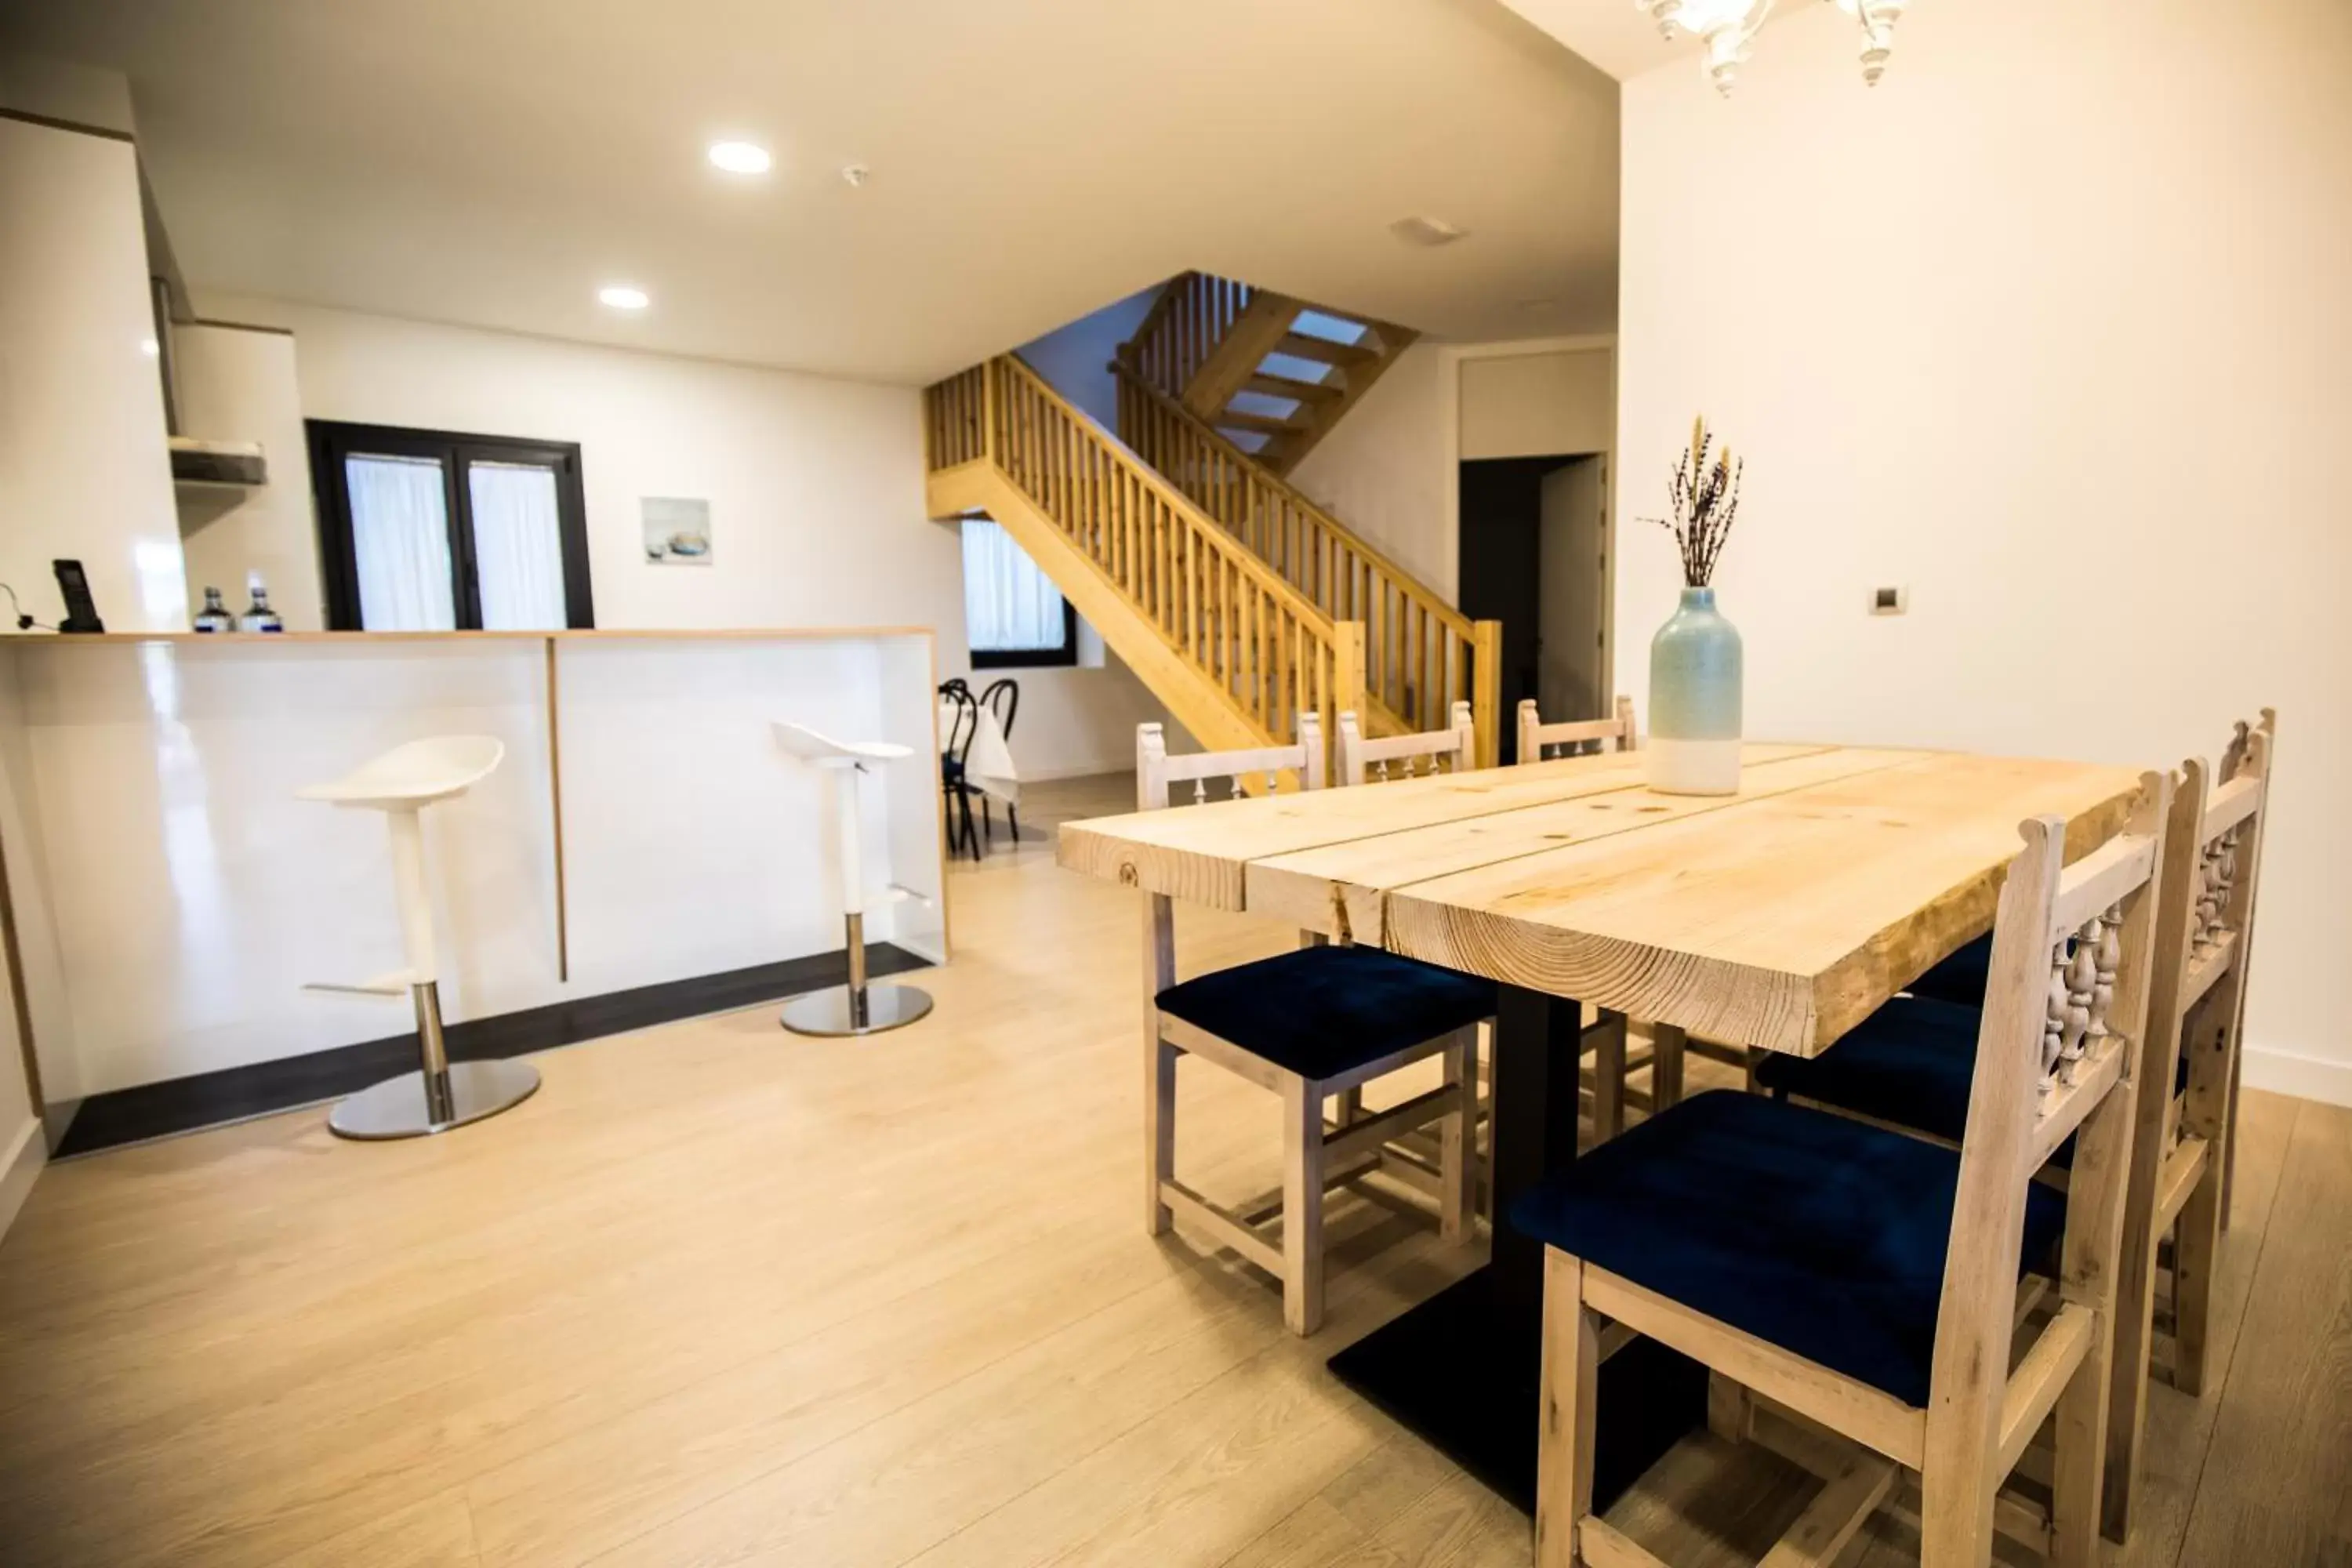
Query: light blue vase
1694, 684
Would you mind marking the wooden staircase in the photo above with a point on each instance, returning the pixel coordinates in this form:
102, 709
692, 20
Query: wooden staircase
1421, 654
1234, 650
1271, 374
1235, 599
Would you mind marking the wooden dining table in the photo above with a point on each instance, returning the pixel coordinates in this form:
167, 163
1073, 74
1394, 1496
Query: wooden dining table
1778, 917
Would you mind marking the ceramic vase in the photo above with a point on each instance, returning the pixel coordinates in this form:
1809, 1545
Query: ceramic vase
1694, 700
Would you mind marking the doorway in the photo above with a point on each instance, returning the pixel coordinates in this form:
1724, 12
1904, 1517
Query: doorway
1534, 555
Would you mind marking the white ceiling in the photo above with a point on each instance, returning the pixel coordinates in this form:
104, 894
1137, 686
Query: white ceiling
494, 164
1615, 35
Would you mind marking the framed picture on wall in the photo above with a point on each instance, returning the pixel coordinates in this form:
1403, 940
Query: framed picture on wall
678, 530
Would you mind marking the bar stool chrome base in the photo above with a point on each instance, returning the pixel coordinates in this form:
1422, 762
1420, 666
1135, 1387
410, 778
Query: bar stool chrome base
836, 1011
438, 1095
855, 1008
398, 1107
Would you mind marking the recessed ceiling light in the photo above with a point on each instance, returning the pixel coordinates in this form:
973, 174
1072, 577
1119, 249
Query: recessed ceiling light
621, 297
741, 157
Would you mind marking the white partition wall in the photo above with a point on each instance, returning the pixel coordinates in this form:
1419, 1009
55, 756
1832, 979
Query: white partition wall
693, 844
173, 897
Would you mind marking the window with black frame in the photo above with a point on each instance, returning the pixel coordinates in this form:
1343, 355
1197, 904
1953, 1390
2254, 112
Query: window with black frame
433, 530
1013, 616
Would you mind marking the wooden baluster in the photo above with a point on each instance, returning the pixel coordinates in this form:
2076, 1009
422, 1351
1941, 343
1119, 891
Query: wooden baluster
2054, 1027
2225, 877
2082, 987
2208, 903
2107, 960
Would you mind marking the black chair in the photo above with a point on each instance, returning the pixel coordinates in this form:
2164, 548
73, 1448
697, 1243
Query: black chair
1001, 697
955, 749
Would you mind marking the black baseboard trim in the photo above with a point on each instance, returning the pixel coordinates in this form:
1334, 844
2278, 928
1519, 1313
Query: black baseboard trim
237, 1094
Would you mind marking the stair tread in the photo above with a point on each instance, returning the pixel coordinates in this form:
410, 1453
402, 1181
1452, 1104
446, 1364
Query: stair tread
1300, 345
1263, 424
1270, 384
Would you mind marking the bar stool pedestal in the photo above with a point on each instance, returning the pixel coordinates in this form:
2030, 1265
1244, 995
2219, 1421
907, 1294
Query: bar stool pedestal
439, 1095
858, 1008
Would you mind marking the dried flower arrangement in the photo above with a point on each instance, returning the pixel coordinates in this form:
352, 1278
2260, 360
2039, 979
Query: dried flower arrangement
1706, 498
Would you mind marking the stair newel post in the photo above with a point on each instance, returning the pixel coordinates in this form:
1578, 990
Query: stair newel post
1486, 691
1347, 690
988, 441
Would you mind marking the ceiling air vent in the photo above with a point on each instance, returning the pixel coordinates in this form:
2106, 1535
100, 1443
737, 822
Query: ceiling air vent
1425, 231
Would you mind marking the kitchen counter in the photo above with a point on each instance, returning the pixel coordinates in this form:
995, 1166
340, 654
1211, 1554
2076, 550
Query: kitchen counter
169, 895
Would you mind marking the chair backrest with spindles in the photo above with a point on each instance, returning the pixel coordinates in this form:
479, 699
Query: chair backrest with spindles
1453, 748
1574, 737
1162, 780
2230, 841
2211, 930
1159, 777
2065, 1015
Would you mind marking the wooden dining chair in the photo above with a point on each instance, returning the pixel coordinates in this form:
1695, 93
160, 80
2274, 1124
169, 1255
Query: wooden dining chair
955, 752
1607, 1086
1867, 1280
1412, 1158
1314, 1023
1452, 750
1909, 1067
1617, 732
2237, 758
2180, 1164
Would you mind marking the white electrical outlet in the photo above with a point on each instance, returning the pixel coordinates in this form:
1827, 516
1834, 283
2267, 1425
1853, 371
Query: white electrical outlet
1890, 601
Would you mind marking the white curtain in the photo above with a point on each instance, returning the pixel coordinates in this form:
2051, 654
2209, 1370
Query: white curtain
400, 533
518, 546
1008, 604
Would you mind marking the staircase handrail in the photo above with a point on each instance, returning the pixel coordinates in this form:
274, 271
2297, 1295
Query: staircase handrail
1262, 477
1232, 616
1421, 654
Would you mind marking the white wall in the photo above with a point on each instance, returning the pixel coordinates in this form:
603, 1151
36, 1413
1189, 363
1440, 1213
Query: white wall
2054, 327
239, 384
1538, 405
815, 485
1076, 359
1391, 469
84, 473
1387, 468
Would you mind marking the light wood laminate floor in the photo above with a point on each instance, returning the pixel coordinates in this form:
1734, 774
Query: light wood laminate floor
720, 1295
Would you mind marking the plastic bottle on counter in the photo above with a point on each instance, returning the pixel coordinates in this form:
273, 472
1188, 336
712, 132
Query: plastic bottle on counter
259, 616
214, 616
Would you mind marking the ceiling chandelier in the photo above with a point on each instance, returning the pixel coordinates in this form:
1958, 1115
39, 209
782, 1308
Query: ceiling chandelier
1728, 27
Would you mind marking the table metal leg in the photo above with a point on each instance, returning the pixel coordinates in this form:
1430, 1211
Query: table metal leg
1462, 1368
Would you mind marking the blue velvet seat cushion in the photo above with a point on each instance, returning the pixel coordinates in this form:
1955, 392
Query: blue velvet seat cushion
1960, 977
1910, 1063
1321, 1011
1819, 1234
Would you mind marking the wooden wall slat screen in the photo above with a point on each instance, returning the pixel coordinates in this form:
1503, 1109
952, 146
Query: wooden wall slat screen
1232, 617
1420, 651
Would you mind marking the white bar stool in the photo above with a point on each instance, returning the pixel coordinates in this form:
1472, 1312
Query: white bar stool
437, 1096
857, 1009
